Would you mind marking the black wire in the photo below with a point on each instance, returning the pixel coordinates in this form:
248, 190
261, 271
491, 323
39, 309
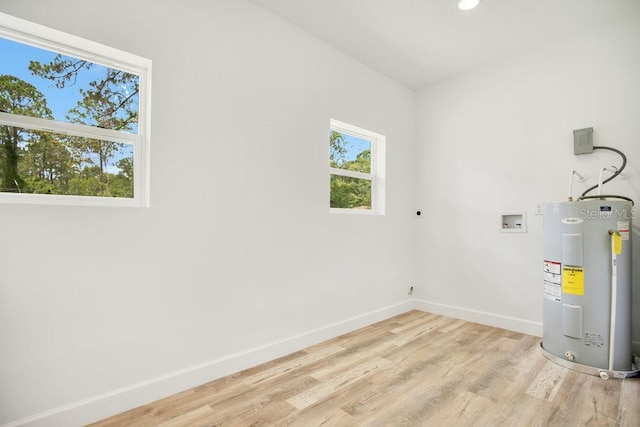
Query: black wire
618, 172
607, 196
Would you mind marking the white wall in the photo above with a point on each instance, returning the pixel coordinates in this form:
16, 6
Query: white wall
238, 259
500, 139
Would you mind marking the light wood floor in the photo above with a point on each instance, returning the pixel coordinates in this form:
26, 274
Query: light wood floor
415, 369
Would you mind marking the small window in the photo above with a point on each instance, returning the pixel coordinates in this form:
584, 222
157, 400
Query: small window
74, 119
356, 169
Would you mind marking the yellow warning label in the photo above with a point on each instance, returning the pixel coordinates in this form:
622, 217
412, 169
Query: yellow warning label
617, 243
573, 280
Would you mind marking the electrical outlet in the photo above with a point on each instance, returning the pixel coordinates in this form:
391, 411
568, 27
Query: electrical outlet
540, 208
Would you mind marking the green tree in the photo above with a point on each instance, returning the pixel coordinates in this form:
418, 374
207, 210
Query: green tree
22, 98
337, 149
88, 183
348, 192
121, 185
126, 167
110, 102
47, 164
352, 193
362, 162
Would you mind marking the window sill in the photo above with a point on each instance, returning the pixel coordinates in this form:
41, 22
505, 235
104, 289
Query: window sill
366, 212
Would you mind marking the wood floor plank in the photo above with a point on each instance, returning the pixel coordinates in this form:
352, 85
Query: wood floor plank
401, 319
248, 405
606, 398
414, 369
525, 411
332, 384
421, 327
464, 409
186, 418
629, 401
297, 363
548, 382
318, 416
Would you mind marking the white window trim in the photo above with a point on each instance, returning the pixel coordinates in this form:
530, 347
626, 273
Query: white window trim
377, 175
36, 35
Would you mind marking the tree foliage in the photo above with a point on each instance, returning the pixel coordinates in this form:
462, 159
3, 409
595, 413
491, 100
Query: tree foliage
348, 192
45, 162
337, 149
17, 97
110, 101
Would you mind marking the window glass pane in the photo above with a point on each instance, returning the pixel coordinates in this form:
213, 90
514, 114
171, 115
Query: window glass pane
43, 162
350, 193
349, 152
40, 83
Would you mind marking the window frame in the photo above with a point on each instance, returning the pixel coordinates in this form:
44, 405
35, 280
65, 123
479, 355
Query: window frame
376, 175
29, 33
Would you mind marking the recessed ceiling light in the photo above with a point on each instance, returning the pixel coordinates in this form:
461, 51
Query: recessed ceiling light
468, 4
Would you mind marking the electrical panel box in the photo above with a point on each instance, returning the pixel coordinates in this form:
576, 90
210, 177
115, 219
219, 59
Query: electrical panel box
583, 141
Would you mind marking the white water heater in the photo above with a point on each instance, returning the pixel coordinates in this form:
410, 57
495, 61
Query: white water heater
587, 283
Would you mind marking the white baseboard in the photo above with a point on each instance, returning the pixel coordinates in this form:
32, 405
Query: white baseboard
491, 319
116, 401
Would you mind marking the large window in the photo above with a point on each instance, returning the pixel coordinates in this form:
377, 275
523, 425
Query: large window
356, 169
74, 119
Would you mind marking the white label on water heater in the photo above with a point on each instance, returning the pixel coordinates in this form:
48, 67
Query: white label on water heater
551, 267
593, 340
623, 228
552, 291
552, 288
552, 278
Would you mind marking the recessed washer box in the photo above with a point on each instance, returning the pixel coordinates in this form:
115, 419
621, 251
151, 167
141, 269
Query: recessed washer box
513, 222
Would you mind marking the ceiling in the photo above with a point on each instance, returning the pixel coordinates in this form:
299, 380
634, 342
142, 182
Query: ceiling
418, 42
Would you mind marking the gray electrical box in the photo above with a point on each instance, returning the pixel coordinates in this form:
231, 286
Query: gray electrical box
583, 141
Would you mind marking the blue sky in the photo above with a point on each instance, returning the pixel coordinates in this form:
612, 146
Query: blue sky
14, 60
355, 146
